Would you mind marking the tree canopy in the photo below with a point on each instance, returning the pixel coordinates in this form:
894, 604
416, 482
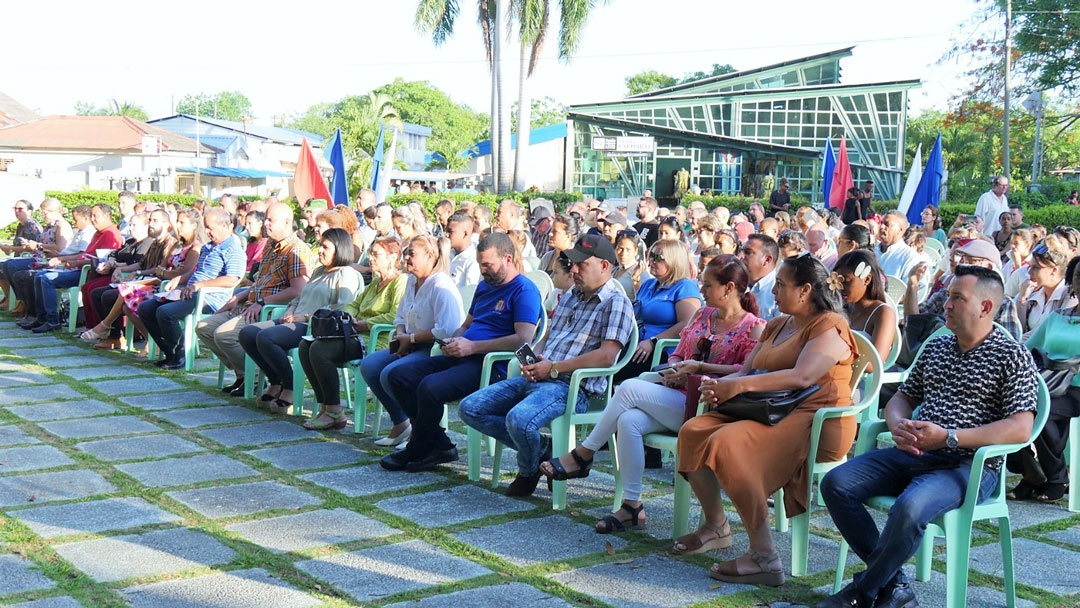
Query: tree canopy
226, 105
112, 108
545, 111
650, 80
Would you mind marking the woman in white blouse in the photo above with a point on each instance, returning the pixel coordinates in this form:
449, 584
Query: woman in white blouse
1047, 289
431, 308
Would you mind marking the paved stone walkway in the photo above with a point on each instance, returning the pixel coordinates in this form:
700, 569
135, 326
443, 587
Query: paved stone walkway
122, 485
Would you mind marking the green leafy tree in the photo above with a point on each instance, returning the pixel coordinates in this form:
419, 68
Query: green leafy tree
546, 111
113, 108
646, 81
227, 105
718, 69
421, 103
1047, 42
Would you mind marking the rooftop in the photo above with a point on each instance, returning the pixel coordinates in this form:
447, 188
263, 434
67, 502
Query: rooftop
12, 111
278, 134
105, 133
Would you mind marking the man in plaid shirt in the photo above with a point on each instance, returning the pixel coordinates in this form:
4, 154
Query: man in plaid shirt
283, 273
591, 326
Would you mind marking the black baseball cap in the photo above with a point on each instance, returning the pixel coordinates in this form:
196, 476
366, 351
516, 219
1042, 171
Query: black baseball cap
590, 246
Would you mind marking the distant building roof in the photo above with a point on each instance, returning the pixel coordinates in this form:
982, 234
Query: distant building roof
233, 172
278, 134
90, 133
12, 112
412, 129
536, 136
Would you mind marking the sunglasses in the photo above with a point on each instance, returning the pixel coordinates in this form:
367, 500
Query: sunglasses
624, 233
1040, 249
656, 257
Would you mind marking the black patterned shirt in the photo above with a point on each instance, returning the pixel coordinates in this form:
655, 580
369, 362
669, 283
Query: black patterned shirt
956, 390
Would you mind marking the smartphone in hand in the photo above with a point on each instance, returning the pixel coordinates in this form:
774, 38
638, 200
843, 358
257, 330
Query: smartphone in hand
526, 356
439, 341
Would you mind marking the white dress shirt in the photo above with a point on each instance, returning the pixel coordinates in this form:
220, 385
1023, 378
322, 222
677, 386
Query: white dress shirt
989, 208
436, 306
464, 268
763, 291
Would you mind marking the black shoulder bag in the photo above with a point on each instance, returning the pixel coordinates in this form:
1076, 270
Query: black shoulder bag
766, 407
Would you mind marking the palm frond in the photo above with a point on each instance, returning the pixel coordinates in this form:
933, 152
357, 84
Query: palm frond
573, 16
437, 18
483, 17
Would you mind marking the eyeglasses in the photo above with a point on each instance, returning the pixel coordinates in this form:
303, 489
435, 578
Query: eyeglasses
656, 257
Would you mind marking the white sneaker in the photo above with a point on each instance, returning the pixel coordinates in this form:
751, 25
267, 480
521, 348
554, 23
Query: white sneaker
393, 441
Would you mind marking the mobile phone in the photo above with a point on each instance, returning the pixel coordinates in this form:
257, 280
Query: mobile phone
439, 341
526, 356
664, 370
394, 346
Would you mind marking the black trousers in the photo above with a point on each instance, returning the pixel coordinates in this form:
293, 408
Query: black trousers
103, 299
321, 360
1050, 444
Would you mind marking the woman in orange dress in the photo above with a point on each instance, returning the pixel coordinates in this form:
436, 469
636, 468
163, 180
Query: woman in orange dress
810, 343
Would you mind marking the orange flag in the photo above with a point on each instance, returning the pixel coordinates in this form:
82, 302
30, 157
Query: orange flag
308, 182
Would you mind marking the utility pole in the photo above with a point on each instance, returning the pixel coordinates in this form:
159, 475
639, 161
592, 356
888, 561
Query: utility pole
1008, 61
198, 153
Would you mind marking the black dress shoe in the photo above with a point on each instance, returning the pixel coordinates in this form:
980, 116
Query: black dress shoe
238, 391
173, 366
46, 328
849, 597
232, 387
433, 460
161, 362
395, 461
896, 595
523, 485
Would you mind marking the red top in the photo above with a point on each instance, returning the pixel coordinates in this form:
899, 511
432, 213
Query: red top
103, 239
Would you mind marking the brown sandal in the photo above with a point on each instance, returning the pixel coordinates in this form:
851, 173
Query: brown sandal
695, 545
729, 571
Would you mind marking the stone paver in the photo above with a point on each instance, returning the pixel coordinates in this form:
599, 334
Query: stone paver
1071, 535
647, 581
170, 400
1034, 563
94, 516
106, 371
64, 601
99, 427
373, 573
51, 351
37, 394
230, 501
311, 529
83, 408
21, 490
257, 434
13, 435
516, 541
30, 341
495, 596
23, 379
186, 470
370, 479
145, 554
82, 360
316, 455
205, 416
253, 588
451, 506
155, 384
143, 446
31, 458
18, 575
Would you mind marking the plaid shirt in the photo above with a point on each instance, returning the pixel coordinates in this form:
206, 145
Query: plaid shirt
281, 263
579, 327
1006, 317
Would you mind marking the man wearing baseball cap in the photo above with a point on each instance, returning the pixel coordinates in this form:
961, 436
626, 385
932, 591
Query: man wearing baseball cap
590, 327
612, 224
974, 252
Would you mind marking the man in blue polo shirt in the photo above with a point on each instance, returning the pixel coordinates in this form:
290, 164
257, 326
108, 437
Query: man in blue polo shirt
222, 263
503, 316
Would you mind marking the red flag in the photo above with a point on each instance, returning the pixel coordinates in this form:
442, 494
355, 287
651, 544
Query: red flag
842, 180
308, 182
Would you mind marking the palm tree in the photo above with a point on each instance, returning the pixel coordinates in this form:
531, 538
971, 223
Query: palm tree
502, 31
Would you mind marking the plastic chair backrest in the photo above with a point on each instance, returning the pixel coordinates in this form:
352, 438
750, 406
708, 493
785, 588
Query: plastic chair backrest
933, 255
542, 282
896, 288
868, 357
936, 245
467, 292
541, 329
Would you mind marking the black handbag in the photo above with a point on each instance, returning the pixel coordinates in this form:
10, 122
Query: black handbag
1057, 373
327, 323
766, 407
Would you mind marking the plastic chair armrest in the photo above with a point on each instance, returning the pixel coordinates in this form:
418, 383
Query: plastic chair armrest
272, 311
661, 345
490, 360
978, 461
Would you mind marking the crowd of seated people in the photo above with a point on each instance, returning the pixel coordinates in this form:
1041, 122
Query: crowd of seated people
755, 302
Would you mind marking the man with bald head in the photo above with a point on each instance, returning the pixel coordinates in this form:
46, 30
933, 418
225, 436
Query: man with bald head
817, 237
770, 227
221, 263
285, 268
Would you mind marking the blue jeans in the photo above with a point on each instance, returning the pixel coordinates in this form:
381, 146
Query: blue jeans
513, 411
10, 267
376, 369
162, 320
46, 283
925, 486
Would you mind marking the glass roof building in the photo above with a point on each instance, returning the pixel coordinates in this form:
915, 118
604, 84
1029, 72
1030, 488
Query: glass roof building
740, 132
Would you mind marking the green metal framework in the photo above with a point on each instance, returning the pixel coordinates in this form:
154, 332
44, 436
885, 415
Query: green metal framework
734, 131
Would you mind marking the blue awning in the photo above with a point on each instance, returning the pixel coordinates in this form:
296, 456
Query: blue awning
536, 136
231, 172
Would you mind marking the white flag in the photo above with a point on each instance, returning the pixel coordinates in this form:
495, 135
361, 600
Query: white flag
912, 183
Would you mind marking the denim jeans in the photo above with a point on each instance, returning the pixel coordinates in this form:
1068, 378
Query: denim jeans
376, 369
925, 486
46, 283
162, 321
513, 412
10, 267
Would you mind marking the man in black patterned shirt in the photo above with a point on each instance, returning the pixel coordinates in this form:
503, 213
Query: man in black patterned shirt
976, 387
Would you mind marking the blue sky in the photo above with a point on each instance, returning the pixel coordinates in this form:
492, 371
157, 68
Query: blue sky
287, 55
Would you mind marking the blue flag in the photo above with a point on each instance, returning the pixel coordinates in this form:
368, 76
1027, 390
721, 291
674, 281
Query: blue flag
377, 161
929, 191
828, 165
339, 185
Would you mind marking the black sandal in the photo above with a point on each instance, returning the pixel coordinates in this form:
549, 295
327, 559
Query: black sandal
614, 524
267, 397
559, 471
1052, 492
1023, 490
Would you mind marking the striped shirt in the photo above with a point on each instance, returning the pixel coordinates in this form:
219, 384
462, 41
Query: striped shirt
580, 326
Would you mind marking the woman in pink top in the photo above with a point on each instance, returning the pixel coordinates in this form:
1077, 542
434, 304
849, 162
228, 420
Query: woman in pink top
715, 341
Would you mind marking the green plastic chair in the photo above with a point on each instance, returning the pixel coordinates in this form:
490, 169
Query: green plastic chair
360, 387
1073, 450
955, 525
74, 296
253, 376
562, 427
191, 340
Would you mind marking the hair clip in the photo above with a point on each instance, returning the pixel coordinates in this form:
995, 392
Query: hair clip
836, 282
862, 271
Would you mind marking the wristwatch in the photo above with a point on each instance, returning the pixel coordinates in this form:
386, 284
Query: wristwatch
653, 340
260, 301
554, 372
950, 440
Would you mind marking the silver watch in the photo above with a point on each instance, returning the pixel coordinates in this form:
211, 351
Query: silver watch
950, 440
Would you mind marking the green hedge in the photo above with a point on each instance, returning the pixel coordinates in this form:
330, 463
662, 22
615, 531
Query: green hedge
559, 198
